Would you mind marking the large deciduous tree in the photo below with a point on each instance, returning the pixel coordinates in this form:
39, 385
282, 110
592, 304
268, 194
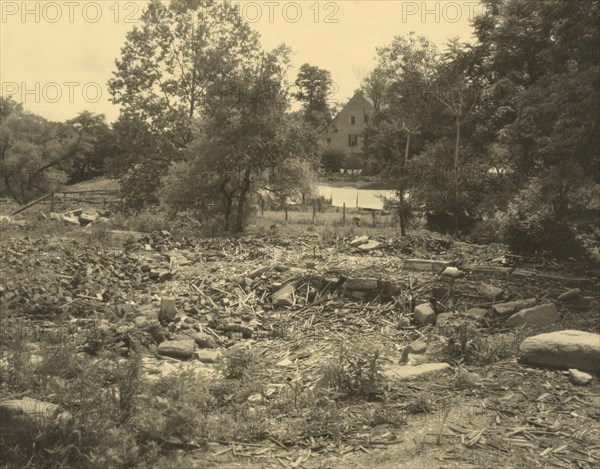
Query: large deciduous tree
314, 87
398, 87
242, 140
178, 52
36, 155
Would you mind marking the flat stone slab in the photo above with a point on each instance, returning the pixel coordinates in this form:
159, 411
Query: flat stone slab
361, 284
426, 265
410, 372
540, 315
208, 356
563, 349
579, 377
183, 349
505, 309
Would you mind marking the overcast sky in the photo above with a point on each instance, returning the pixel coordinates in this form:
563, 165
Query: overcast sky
56, 56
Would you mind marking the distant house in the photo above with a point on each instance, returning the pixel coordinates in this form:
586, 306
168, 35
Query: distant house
345, 132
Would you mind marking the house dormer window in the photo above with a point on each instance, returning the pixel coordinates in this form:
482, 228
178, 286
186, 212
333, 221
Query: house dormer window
353, 120
366, 118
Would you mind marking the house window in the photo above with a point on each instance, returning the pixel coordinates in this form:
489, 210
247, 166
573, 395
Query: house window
335, 129
366, 118
352, 140
352, 120
328, 141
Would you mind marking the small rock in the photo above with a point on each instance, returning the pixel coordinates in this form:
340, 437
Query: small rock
244, 330
477, 313
490, 292
204, 340
183, 349
570, 295
285, 362
424, 314
563, 349
540, 316
416, 347
443, 318
255, 397
579, 377
404, 322
370, 246
165, 275
141, 321
208, 356
284, 296
168, 309
452, 272
359, 240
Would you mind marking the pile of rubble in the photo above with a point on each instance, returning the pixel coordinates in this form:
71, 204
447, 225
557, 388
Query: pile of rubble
82, 217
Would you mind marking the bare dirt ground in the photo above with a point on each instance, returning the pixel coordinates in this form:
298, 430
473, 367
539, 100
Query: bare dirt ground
264, 363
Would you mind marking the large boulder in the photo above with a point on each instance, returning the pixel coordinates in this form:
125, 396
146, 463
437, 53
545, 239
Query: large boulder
563, 349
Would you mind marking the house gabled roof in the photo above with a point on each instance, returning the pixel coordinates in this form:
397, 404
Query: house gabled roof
359, 94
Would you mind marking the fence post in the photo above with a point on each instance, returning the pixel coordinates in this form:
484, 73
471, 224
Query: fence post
373, 213
314, 211
286, 213
52, 202
344, 213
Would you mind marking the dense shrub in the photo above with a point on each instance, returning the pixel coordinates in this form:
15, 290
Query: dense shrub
532, 226
486, 232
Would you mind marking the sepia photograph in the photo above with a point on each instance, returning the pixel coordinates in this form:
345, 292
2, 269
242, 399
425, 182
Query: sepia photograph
351, 234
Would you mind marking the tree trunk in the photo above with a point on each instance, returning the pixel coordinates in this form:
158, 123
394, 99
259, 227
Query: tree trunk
456, 168
239, 222
402, 181
228, 205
